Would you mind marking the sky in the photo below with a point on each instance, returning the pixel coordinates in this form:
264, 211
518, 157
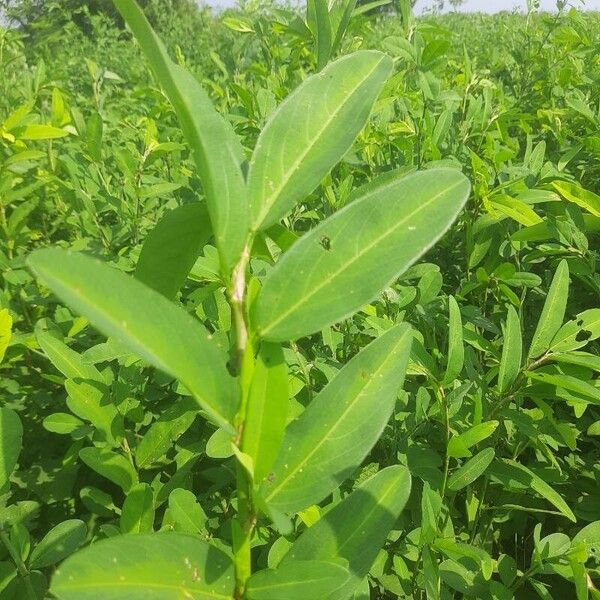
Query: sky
468, 6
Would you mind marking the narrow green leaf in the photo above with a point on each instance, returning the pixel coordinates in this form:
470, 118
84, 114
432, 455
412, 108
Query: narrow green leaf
41, 132
58, 543
471, 470
159, 566
311, 131
456, 348
166, 430
216, 149
527, 478
137, 514
172, 247
186, 512
266, 413
11, 440
297, 580
343, 25
553, 312
111, 465
577, 333
568, 382
512, 349
357, 527
5, 331
573, 192
144, 321
343, 263
333, 435
321, 25
458, 446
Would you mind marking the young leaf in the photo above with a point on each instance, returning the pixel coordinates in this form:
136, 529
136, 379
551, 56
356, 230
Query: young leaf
471, 470
297, 580
320, 24
357, 527
458, 446
553, 312
512, 349
333, 435
137, 514
58, 543
161, 566
11, 439
456, 348
144, 321
311, 131
186, 512
267, 409
111, 465
172, 247
5, 331
215, 147
344, 262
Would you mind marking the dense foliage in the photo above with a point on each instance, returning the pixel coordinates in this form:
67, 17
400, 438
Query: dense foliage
499, 416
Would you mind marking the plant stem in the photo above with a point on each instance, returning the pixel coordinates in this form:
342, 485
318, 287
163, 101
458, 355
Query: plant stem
21, 567
245, 520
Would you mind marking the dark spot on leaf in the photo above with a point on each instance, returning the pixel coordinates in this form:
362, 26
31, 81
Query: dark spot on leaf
580, 322
364, 374
583, 335
325, 242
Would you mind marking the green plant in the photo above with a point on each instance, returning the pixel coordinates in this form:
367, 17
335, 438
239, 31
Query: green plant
329, 273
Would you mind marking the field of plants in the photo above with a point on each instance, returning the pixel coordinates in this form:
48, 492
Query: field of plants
298, 304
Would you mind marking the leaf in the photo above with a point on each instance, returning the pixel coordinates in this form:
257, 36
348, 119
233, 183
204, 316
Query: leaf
66, 360
333, 435
111, 465
310, 132
343, 263
172, 247
58, 543
267, 409
471, 470
41, 132
357, 527
94, 133
529, 480
144, 321
458, 446
512, 349
343, 25
553, 312
216, 149
568, 382
11, 441
578, 332
589, 536
137, 514
5, 331
578, 195
186, 512
166, 430
456, 348
320, 23
161, 566
297, 580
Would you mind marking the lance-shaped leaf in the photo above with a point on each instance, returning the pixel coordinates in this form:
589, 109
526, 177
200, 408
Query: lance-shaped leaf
456, 348
311, 131
344, 262
267, 409
160, 566
297, 580
577, 333
512, 350
217, 151
172, 247
145, 321
471, 470
319, 22
357, 527
553, 312
333, 435
11, 438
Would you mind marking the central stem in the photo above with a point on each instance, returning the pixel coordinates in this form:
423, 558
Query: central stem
245, 521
